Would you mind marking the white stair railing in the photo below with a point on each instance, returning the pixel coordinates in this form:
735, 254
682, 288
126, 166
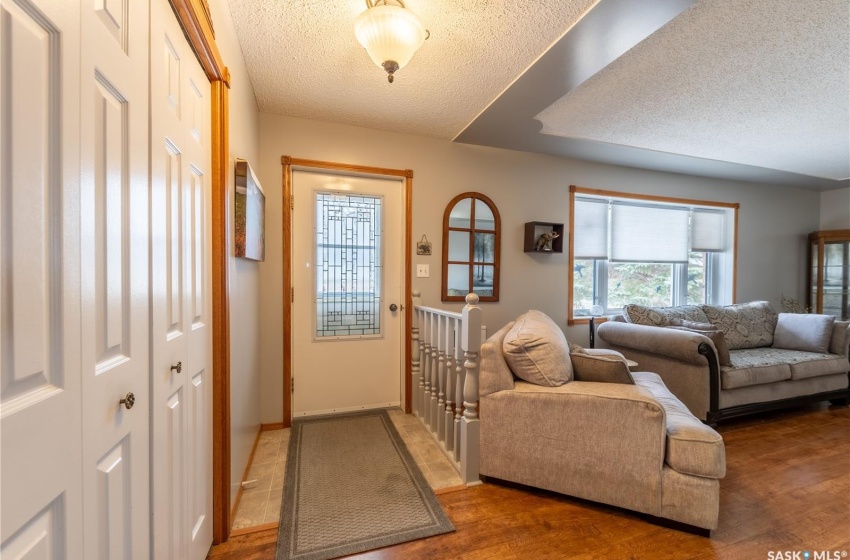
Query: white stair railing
444, 378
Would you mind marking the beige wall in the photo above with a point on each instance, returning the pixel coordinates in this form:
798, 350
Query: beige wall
244, 274
835, 209
525, 187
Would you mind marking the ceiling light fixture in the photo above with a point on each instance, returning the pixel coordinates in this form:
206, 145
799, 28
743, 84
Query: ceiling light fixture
390, 33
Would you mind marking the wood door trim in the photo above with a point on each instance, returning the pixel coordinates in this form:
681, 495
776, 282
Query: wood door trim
288, 163
194, 19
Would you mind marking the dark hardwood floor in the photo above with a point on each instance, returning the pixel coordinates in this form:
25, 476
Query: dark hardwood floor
787, 487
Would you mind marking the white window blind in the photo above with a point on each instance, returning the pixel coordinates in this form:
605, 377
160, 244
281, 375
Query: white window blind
642, 233
590, 228
707, 230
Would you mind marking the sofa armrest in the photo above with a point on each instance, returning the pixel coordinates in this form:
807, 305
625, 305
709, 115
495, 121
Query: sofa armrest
679, 344
583, 439
686, 361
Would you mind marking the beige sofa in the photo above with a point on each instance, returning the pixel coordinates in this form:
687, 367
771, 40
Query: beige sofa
633, 446
762, 372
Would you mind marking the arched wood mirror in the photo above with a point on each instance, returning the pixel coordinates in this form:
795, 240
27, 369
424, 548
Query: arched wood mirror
471, 248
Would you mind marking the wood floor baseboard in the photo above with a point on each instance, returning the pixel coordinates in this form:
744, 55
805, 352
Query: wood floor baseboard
272, 426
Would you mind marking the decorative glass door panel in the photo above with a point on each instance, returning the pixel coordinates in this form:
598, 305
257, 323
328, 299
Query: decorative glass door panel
829, 273
348, 266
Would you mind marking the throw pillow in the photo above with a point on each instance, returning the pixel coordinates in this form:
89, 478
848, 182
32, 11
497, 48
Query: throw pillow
692, 325
576, 349
745, 325
716, 337
661, 316
808, 332
587, 367
536, 350
840, 338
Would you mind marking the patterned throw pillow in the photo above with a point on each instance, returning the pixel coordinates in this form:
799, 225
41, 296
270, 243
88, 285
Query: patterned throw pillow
716, 336
661, 316
744, 325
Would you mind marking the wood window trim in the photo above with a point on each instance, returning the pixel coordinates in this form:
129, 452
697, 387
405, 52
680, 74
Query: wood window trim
194, 19
574, 190
287, 164
471, 230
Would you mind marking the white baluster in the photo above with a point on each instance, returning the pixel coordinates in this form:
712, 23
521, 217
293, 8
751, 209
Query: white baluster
415, 374
435, 374
459, 375
442, 326
451, 325
469, 426
426, 367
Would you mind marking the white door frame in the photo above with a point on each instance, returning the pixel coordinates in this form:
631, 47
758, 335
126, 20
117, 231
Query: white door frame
407, 201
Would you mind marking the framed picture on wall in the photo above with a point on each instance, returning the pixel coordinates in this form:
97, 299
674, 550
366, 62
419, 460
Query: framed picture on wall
250, 214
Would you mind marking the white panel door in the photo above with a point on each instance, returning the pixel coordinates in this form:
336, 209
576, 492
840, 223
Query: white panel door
114, 278
40, 381
347, 276
180, 311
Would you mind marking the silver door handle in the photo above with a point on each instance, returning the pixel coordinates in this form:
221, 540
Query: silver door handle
393, 307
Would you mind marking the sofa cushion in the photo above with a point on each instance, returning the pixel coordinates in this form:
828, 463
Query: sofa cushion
494, 373
734, 377
661, 316
692, 447
601, 369
717, 338
536, 350
756, 366
820, 364
840, 338
745, 325
808, 332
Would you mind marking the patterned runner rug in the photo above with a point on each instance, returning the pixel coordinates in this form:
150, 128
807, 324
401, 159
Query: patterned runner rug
350, 486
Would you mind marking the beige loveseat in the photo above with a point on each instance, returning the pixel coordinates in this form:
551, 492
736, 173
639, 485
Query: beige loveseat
759, 372
634, 446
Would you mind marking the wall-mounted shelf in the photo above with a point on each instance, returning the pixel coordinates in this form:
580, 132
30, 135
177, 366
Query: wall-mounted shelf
533, 231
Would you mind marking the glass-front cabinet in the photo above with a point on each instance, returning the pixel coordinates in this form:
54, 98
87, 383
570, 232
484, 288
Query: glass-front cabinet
829, 273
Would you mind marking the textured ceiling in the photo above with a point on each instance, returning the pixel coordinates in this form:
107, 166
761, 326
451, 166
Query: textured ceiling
759, 82
304, 60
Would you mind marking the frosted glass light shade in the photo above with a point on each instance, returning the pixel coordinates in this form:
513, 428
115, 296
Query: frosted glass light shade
389, 33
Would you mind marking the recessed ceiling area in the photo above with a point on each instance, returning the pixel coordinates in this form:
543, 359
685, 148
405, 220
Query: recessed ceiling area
762, 83
751, 90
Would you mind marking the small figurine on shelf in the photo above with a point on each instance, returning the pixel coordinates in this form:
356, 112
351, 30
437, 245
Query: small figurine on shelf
545, 241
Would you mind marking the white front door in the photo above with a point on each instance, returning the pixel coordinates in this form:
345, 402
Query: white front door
347, 274
181, 388
114, 278
40, 381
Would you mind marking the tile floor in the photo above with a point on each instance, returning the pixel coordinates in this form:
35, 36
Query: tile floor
261, 503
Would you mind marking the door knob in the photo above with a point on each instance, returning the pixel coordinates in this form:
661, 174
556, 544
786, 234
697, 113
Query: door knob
393, 307
178, 367
128, 401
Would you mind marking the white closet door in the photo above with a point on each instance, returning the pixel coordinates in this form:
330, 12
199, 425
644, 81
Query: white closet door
40, 383
114, 277
181, 334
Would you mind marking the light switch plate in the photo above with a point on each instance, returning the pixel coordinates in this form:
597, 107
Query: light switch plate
422, 271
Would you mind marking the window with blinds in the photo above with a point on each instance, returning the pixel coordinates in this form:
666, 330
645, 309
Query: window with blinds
630, 249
